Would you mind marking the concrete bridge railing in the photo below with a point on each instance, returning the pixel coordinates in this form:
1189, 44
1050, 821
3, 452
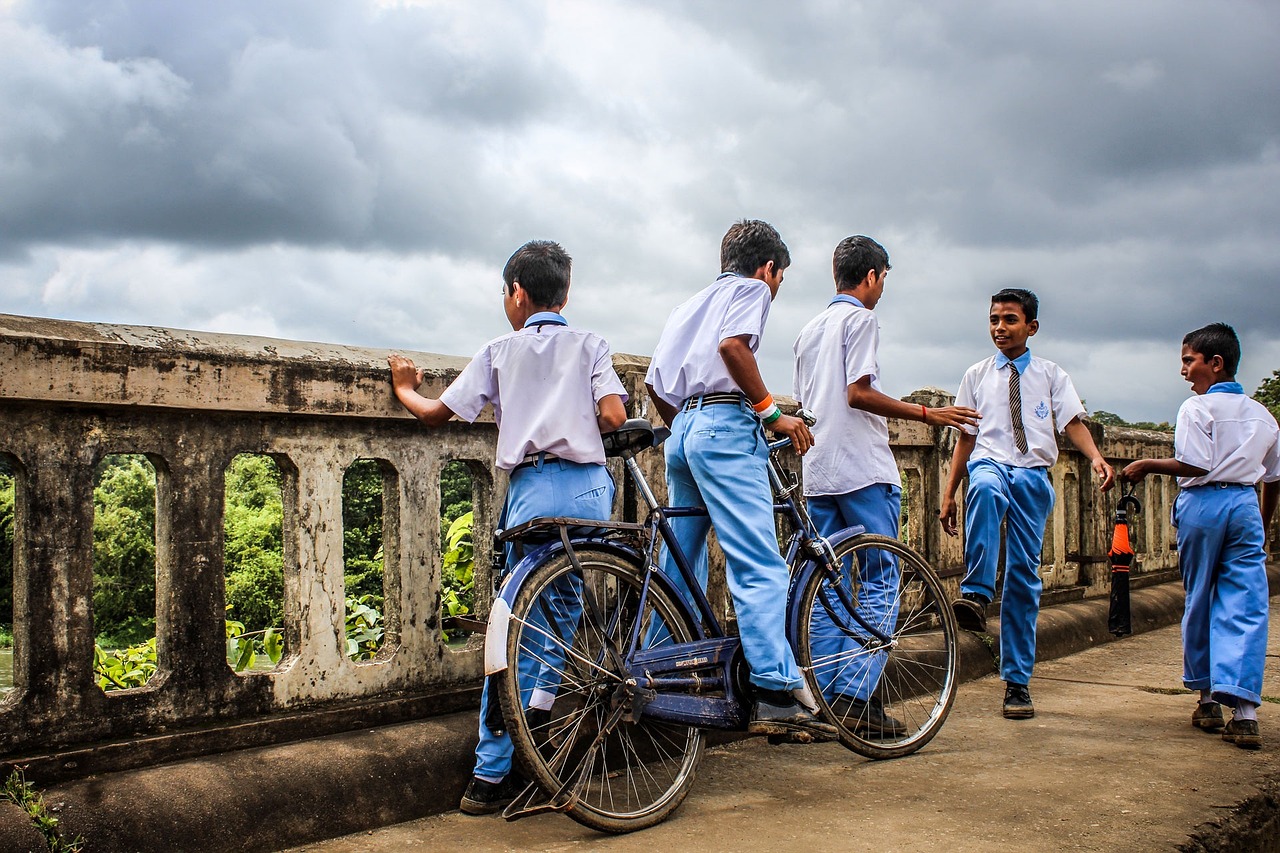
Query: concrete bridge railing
73, 393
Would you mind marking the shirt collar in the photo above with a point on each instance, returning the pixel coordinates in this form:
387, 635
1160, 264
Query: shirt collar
542, 318
844, 297
1225, 388
1021, 362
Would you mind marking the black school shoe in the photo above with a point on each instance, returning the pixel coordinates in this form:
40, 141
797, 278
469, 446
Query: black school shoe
971, 612
483, 797
778, 714
1243, 733
1207, 716
1017, 702
868, 718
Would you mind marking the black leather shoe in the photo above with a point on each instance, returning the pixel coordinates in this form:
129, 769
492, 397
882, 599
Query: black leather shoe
1207, 716
1017, 702
1243, 733
971, 611
776, 712
483, 797
866, 718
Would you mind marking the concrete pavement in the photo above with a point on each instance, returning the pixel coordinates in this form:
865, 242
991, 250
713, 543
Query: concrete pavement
1110, 762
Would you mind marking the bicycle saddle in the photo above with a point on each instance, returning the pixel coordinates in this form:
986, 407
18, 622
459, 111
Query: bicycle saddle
634, 435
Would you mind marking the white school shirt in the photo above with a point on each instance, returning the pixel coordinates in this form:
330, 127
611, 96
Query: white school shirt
544, 382
850, 446
1048, 399
687, 359
1233, 437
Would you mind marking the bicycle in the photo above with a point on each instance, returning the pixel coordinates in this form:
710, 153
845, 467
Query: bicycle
608, 676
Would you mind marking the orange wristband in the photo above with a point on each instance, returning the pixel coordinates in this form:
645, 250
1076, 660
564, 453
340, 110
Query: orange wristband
763, 405
924, 414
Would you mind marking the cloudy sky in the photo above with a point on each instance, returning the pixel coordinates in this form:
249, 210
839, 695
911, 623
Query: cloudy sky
358, 172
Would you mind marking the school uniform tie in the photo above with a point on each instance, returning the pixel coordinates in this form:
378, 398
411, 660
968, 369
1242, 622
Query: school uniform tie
1015, 408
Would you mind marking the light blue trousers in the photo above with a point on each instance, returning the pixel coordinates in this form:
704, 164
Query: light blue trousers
717, 457
1021, 498
840, 665
553, 488
1224, 625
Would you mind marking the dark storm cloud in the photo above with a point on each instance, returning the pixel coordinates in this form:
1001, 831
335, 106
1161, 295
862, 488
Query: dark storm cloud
358, 172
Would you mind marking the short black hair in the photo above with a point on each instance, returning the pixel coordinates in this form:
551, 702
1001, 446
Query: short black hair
1216, 339
854, 258
542, 268
749, 245
1030, 304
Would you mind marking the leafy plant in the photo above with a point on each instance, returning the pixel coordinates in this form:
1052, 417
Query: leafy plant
17, 790
124, 668
1268, 393
457, 570
243, 648
364, 626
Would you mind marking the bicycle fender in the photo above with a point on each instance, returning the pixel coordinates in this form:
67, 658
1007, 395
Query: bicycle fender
495, 634
800, 577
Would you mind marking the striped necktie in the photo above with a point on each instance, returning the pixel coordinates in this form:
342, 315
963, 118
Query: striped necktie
1015, 408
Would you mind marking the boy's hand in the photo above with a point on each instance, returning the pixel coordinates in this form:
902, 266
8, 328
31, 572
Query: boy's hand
796, 430
947, 515
1134, 472
1106, 472
952, 416
403, 372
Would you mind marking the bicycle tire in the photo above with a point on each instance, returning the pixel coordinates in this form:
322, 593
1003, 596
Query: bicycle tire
637, 773
912, 679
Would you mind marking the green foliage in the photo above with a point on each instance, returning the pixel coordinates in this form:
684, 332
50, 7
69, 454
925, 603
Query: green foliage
243, 648
362, 555
124, 550
18, 791
6, 548
1268, 393
364, 626
124, 668
455, 492
457, 571
254, 544
1111, 419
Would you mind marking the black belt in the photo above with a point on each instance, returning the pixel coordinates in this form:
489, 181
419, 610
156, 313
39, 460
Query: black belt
699, 400
532, 459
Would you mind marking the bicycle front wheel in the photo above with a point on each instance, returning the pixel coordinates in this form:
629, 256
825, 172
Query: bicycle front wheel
889, 696
562, 694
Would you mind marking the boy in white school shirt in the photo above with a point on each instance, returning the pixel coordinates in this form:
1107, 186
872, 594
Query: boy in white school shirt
1008, 456
1223, 444
554, 392
850, 474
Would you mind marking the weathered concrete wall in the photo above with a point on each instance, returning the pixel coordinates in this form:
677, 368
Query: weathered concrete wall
72, 393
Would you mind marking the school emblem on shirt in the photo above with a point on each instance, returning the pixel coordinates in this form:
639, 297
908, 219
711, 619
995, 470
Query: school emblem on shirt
1042, 410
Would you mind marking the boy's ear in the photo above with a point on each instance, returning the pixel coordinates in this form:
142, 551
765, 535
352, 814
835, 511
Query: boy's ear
1033, 327
1216, 364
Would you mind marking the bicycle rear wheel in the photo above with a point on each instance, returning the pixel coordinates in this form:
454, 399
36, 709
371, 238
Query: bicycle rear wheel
561, 695
887, 698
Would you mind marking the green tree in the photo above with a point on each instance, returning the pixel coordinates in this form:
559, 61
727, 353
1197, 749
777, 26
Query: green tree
362, 529
1268, 393
1111, 419
124, 550
254, 544
6, 547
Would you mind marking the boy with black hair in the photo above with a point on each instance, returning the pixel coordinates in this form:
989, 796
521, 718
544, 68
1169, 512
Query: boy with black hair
850, 474
705, 383
554, 392
1223, 444
1008, 455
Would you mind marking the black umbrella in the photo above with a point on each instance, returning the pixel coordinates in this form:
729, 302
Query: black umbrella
1121, 554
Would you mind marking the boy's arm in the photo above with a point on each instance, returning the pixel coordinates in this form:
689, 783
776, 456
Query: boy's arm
405, 379
612, 413
1135, 471
741, 363
665, 410
959, 464
1083, 440
863, 396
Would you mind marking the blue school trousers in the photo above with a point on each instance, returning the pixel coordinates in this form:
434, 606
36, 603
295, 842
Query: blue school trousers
717, 457
841, 665
1021, 498
553, 487
1224, 571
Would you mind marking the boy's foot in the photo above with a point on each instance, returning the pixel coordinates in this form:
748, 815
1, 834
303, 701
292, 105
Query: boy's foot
1243, 733
483, 797
1207, 716
777, 712
868, 718
971, 611
1017, 703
